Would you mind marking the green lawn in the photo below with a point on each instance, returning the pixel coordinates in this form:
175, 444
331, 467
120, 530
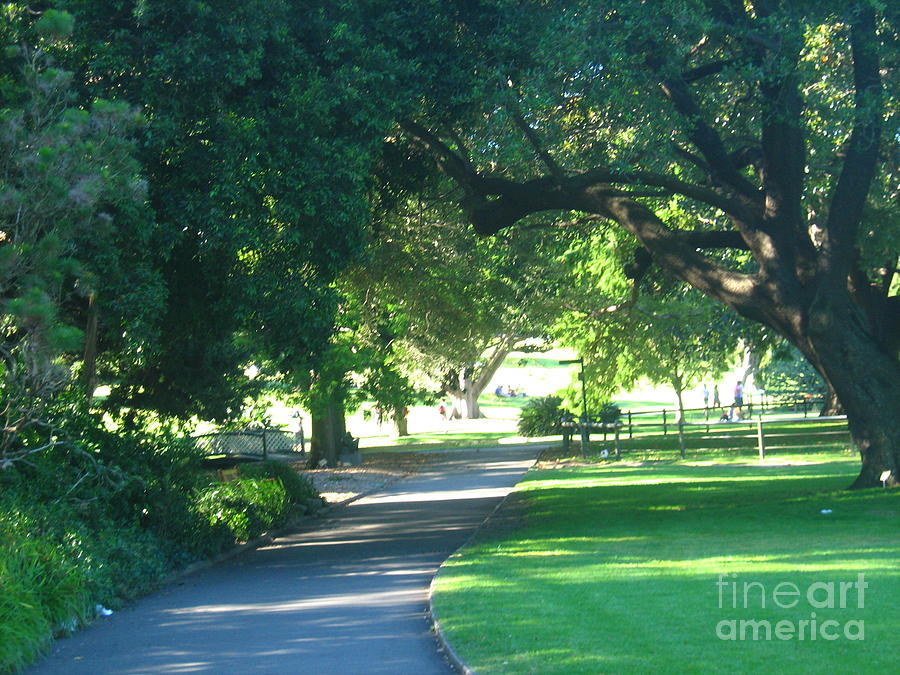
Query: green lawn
614, 568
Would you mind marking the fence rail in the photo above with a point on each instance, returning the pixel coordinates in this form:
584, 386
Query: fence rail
570, 427
667, 418
249, 445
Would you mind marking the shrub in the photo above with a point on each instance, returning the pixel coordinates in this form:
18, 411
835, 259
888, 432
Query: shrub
542, 416
248, 506
299, 488
610, 413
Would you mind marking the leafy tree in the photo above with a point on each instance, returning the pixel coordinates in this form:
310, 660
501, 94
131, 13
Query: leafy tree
787, 373
452, 306
770, 122
258, 147
67, 175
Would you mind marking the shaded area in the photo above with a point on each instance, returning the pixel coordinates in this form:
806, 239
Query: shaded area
346, 595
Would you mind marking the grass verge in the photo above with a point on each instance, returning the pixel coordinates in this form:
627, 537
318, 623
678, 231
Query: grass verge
619, 568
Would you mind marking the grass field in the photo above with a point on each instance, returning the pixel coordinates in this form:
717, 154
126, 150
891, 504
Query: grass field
639, 567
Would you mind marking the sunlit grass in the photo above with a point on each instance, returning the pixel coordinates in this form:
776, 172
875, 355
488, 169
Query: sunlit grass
614, 569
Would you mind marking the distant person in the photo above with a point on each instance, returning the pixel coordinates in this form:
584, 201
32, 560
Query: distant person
498, 392
705, 396
736, 407
442, 411
716, 402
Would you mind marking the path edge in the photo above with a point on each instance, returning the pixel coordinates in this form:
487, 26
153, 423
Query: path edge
269, 537
452, 655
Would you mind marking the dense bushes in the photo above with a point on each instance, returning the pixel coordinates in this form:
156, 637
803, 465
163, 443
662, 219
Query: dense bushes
542, 417
102, 519
247, 507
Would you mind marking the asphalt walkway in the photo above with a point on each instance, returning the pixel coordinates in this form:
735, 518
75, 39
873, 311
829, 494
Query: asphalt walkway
346, 594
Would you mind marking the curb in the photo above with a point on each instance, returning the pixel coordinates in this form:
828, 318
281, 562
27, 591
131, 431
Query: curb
452, 656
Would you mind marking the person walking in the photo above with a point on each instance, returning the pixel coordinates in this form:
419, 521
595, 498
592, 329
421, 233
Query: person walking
705, 396
716, 402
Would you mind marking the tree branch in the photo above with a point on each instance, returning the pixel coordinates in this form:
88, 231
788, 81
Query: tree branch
704, 137
852, 188
707, 69
528, 131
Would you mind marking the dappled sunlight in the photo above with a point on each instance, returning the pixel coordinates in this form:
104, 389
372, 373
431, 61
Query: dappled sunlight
618, 564
447, 495
377, 599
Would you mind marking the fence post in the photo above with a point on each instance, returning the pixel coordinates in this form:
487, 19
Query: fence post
585, 436
629, 425
265, 449
665, 425
618, 450
761, 437
707, 420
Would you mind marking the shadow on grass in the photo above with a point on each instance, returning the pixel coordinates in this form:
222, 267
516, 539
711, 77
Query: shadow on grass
616, 570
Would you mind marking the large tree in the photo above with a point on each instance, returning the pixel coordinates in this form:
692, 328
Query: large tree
452, 305
258, 146
767, 120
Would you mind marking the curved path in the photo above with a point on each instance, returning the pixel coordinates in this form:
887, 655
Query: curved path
346, 594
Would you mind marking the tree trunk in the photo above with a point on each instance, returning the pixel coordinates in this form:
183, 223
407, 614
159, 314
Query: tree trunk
866, 379
400, 419
328, 429
677, 385
832, 405
465, 396
89, 368
466, 387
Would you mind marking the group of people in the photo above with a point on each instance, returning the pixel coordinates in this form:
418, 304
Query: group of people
735, 411
507, 392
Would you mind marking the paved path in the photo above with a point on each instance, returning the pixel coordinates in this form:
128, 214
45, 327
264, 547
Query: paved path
344, 595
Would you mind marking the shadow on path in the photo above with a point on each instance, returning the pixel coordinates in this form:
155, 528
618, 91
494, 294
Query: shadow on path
346, 594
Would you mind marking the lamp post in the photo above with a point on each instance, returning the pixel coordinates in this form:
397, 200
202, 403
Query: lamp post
585, 431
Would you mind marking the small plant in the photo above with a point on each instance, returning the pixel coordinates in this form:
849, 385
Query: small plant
542, 417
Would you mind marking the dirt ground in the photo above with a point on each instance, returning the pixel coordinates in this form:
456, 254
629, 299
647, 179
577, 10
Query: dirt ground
377, 471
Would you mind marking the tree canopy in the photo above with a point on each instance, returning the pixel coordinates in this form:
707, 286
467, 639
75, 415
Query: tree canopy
769, 122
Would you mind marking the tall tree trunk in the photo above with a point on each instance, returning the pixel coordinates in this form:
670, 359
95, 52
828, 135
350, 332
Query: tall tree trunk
465, 386
401, 421
865, 378
328, 429
679, 391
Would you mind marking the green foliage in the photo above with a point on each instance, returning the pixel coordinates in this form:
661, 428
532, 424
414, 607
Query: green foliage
609, 413
542, 416
789, 374
55, 24
247, 507
43, 592
298, 488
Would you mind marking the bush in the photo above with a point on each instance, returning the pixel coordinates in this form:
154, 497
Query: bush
300, 489
542, 417
247, 507
610, 413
